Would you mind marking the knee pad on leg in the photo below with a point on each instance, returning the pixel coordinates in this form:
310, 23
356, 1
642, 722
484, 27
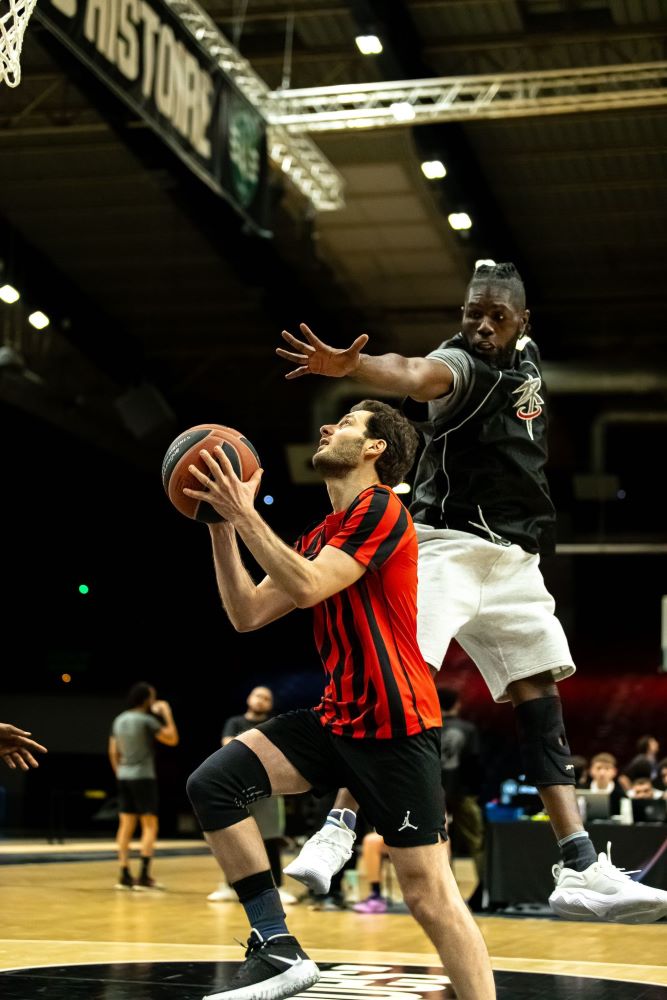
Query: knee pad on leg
222, 788
545, 754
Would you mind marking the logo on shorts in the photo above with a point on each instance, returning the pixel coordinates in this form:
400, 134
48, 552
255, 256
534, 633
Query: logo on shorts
529, 402
407, 824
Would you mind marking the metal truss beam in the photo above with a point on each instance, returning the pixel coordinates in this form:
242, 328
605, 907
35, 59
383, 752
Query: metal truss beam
506, 95
295, 154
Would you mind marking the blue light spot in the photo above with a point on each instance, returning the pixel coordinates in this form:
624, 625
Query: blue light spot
268, 499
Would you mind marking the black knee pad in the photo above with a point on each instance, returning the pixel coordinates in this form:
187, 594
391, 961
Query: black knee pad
222, 788
545, 754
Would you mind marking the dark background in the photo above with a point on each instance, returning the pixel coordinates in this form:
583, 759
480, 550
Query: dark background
166, 310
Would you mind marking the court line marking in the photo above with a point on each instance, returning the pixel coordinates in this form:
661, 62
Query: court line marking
229, 952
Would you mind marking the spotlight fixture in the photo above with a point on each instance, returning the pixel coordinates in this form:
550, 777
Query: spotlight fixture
402, 488
9, 294
369, 45
434, 170
484, 260
38, 319
459, 220
402, 111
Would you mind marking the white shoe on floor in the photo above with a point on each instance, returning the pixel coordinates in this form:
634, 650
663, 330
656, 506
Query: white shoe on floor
322, 856
223, 894
605, 892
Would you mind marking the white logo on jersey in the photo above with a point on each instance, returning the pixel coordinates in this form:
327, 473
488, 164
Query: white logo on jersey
407, 823
529, 404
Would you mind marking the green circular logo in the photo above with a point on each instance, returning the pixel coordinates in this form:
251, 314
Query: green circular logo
246, 132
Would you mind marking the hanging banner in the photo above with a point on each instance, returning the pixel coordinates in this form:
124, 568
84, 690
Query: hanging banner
144, 53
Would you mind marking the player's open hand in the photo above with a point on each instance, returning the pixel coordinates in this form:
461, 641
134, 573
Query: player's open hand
16, 747
313, 357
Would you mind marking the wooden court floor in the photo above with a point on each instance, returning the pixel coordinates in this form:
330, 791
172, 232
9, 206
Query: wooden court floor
69, 914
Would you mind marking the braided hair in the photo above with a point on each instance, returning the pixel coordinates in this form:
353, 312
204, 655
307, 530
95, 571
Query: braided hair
505, 274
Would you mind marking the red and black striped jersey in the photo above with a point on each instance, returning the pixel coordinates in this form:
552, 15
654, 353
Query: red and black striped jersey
378, 684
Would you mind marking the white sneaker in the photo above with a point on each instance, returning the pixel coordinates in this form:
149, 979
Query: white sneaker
223, 894
286, 897
322, 856
605, 892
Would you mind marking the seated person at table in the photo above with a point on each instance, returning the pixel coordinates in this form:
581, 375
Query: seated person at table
603, 772
642, 788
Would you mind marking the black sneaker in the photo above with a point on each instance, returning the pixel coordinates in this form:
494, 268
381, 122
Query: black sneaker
125, 881
274, 968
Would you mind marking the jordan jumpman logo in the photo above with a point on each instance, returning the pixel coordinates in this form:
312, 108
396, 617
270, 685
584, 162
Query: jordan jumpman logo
407, 823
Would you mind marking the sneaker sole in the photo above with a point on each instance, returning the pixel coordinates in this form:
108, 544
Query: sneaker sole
148, 888
314, 880
576, 907
287, 984
124, 888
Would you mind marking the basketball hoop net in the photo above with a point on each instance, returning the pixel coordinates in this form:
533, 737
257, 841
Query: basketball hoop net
12, 29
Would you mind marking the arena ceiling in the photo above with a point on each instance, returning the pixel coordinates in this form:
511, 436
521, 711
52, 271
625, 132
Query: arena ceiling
160, 299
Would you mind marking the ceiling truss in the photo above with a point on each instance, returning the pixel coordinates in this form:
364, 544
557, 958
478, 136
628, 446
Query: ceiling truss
414, 102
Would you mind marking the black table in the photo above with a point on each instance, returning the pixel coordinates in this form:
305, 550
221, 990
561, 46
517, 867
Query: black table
519, 857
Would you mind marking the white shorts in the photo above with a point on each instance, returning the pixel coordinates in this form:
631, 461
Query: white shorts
493, 600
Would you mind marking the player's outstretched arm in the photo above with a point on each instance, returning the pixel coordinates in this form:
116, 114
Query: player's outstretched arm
420, 378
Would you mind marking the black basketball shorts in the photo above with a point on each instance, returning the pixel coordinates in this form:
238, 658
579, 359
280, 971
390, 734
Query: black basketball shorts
138, 796
396, 782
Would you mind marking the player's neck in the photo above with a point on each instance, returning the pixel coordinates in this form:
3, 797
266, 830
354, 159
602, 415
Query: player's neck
343, 491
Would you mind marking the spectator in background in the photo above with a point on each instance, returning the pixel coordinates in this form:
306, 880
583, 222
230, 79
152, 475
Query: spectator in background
132, 757
642, 788
269, 814
645, 762
581, 774
373, 850
462, 781
662, 774
16, 747
603, 771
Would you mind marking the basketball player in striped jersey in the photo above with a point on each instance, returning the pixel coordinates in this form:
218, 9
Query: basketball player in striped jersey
376, 729
483, 516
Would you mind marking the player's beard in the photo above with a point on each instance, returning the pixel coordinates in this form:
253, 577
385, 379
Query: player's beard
336, 461
503, 358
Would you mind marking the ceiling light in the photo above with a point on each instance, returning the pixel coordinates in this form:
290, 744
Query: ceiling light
433, 170
369, 45
402, 111
402, 488
9, 294
484, 261
459, 220
39, 320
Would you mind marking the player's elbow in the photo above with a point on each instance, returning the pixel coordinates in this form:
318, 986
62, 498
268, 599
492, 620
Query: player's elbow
307, 596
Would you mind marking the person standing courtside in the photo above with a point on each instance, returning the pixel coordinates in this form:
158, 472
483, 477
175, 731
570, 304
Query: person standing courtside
484, 516
462, 783
132, 756
377, 727
269, 814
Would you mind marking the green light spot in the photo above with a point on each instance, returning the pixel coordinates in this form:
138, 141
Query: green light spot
83, 588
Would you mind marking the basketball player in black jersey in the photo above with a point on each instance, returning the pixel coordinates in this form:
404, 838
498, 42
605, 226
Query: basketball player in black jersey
484, 516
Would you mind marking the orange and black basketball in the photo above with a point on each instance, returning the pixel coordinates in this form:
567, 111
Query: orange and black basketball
184, 451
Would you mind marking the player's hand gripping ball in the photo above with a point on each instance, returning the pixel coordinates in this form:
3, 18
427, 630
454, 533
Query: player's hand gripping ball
184, 451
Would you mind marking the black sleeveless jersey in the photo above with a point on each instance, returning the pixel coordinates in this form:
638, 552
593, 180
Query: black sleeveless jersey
482, 467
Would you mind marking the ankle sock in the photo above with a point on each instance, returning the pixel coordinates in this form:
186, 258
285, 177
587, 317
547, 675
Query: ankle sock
345, 816
261, 902
376, 890
577, 851
145, 865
